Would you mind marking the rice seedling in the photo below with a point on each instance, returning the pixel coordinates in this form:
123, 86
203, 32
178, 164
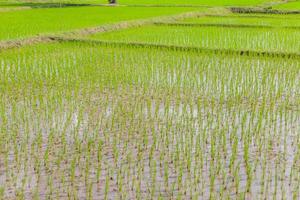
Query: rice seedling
42, 3
32, 22
194, 119
194, 2
263, 39
81, 119
247, 19
293, 5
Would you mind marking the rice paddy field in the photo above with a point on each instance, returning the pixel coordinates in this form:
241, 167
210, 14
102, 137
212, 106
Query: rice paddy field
270, 21
261, 39
28, 23
151, 2
294, 5
196, 2
137, 101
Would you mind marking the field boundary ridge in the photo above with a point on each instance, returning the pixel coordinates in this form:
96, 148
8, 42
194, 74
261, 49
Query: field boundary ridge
223, 25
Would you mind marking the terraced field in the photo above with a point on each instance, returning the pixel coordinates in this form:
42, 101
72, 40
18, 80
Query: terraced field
149, 102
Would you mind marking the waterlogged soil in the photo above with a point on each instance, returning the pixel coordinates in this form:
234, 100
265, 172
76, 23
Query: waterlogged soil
151, 146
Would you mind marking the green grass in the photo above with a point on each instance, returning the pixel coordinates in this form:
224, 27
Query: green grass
26, 23
288, 6
83, 121
275, 40
246, 20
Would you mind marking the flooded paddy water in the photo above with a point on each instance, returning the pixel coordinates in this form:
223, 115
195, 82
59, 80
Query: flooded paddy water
129, 123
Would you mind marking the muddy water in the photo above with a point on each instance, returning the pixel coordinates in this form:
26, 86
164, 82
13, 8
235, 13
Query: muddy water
165, 149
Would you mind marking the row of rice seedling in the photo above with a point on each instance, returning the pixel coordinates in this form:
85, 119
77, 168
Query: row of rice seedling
246, 20
81, 121
31, 22
263, 39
